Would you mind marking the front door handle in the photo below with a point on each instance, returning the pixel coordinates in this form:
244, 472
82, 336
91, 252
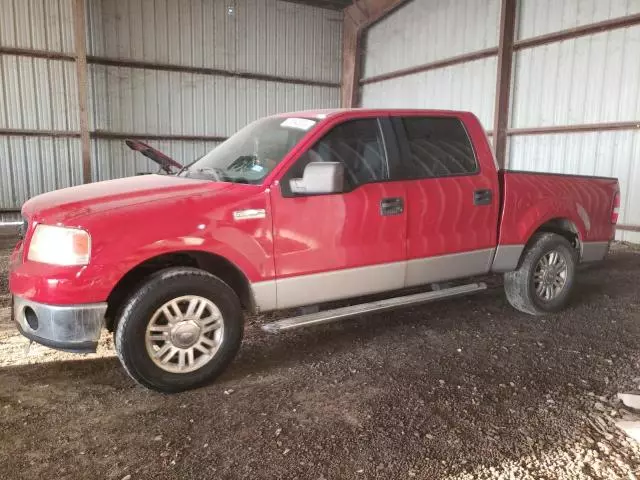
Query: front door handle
391, 206
482, 197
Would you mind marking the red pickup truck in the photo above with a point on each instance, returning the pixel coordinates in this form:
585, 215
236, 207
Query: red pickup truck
295, 210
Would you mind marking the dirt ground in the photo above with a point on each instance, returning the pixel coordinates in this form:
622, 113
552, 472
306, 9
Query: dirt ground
462, 389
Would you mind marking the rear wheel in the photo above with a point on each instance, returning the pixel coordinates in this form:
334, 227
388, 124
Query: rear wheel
179, 330
544, 280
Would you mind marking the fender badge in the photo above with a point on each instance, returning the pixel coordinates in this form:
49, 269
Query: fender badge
249, 214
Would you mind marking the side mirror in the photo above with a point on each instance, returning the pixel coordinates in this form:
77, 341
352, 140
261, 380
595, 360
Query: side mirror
319, 178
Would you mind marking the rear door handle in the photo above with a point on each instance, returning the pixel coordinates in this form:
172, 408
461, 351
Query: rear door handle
391, 206
482, 197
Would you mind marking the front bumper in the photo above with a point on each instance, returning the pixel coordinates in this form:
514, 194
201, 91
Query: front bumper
74, 328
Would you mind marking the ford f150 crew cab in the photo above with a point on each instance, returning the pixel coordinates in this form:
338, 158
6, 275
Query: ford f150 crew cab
296, 210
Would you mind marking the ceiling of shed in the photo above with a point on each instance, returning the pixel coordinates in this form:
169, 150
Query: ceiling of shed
332, 4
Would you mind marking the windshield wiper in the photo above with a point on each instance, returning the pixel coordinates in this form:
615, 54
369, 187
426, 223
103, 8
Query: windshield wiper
218, 173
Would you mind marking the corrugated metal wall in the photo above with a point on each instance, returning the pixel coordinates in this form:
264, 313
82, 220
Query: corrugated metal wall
590, 79
259, 36
37, 94
426, 31
539, 17
137, 100
214, 40
468, 86
262, 37
37, 24
586, 80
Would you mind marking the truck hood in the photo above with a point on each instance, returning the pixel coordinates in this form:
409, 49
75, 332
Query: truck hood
69, 204
166, 163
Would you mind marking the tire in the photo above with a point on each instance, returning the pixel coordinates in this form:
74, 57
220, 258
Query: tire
142, 316
522, 284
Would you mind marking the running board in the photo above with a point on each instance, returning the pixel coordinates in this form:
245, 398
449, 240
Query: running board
336, 314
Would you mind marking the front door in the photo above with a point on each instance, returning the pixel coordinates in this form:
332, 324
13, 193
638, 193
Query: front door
452, 204
328, 247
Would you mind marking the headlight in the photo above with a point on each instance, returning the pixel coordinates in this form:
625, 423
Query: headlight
60, 246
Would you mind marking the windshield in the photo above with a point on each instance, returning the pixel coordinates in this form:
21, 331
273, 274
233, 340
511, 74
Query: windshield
253, 152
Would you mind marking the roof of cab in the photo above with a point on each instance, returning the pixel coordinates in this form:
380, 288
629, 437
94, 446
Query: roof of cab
320, 114
325, 113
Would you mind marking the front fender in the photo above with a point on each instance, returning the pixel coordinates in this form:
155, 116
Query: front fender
128, 237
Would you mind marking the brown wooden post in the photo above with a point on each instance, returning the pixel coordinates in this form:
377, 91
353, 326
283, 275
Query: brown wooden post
357, 18
503, 83
79, 32
351, 57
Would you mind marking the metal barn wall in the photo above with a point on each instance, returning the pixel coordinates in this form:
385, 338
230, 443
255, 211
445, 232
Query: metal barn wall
261, 36
139, 101
38, 101
185, 73
286, 57
539, 17
588, 80
467, 86
37, 24
424, 32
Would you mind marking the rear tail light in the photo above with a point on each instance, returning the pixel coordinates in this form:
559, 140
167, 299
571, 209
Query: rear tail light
615, 209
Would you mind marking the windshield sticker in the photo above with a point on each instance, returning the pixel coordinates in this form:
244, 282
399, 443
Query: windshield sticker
299, 123
257, 168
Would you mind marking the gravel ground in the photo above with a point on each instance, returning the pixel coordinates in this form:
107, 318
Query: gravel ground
461, 389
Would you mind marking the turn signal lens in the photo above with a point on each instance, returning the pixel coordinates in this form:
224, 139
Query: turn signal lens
615, 209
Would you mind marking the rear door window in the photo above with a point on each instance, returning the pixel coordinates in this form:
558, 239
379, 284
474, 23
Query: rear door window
436, 147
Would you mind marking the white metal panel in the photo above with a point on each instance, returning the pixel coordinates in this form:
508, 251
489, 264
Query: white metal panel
160, 102
33, 165
37, 24
288, 39
424, 31
469, 86
10, 217
38, 94
539, 17
258, 36
197, 33
584, 80
609, 154
113, 159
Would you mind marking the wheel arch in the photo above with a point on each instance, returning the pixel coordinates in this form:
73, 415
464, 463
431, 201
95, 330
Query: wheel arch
562, 226
212, 263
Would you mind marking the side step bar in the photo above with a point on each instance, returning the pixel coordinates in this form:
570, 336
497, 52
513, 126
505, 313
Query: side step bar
336, 314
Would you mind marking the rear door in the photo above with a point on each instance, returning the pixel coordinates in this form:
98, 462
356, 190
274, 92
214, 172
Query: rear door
346, 244
452, 204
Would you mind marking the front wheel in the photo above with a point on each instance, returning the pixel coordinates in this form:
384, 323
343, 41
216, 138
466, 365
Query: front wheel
179, 330
544, 279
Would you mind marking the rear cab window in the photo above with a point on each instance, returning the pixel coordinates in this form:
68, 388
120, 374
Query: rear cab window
434, 147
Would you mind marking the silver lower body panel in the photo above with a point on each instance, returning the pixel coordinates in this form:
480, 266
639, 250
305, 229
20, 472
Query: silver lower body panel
506, 258
74, 328
594, 251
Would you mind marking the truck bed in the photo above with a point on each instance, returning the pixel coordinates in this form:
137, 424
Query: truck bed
531, 199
